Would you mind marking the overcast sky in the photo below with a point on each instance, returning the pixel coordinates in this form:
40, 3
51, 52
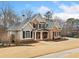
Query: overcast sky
63, 9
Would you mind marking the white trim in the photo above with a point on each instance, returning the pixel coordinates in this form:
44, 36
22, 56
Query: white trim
27, 37
26, 24
35, 18
35, 35
41, 35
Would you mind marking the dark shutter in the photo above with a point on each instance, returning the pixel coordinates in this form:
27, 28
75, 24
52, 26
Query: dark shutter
31, 34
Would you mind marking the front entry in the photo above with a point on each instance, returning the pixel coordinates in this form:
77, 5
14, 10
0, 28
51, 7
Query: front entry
45, 35
41, 35
37, 35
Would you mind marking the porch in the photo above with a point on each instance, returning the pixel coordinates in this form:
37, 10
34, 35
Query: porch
41, 35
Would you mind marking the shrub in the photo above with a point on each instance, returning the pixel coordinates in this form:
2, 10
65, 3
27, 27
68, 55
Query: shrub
17, 42
28, 41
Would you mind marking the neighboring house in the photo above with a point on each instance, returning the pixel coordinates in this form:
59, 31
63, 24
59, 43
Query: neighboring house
37, 28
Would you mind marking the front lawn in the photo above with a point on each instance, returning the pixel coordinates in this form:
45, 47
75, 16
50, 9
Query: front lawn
38, 49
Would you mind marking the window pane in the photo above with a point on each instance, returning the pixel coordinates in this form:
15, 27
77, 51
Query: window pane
42, 26
34, 25
39, 26
27, 34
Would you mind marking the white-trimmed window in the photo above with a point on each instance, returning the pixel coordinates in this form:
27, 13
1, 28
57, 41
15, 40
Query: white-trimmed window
42, 26
27, 34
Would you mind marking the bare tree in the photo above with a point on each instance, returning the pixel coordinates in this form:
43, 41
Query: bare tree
8, 15
27, 14
48, 15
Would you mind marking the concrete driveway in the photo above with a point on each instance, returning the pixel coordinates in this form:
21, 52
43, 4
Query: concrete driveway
61, 54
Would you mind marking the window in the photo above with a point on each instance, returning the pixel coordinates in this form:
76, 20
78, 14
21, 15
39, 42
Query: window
27, 34
34, 25
42, 26
39, 26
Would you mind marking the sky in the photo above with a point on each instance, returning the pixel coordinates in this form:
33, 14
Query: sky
62, 9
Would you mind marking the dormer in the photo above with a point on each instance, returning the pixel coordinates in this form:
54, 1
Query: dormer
38, 21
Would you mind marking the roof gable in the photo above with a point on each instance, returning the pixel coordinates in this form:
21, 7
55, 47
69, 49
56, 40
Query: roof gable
39, 18
27, 27
20, 26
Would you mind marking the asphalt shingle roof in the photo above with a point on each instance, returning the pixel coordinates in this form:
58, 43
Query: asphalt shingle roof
50, 23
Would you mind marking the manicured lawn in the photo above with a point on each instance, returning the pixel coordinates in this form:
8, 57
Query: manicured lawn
38, 49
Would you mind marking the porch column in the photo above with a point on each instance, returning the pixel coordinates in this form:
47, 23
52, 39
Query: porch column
35, 35
41, 37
